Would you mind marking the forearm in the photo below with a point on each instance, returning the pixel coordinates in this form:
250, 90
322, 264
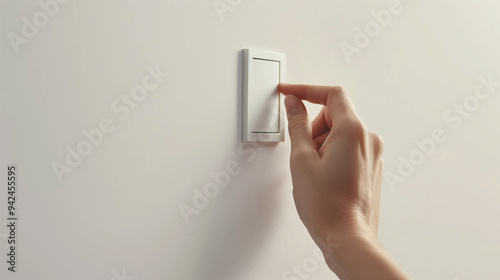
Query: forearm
358, 257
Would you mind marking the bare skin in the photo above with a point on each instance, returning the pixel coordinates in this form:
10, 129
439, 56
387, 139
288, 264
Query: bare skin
336, 168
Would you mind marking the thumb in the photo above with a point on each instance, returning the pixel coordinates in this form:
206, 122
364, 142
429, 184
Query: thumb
298, 125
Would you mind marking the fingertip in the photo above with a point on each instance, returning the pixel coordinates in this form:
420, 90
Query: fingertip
282, 87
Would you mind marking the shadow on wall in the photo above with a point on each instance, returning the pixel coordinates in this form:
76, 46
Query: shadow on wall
243, 217
237, 230
227, 237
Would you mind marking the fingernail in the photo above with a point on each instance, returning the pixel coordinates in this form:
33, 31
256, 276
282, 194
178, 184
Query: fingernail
291, 104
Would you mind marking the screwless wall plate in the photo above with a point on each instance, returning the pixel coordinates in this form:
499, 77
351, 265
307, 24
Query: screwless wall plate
262, 103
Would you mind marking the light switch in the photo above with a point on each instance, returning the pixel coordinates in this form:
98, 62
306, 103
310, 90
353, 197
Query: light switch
262, 109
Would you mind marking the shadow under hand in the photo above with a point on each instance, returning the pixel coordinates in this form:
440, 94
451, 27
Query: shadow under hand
237, 229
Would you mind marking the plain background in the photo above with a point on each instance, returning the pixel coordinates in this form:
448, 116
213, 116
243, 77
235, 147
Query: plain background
118, 211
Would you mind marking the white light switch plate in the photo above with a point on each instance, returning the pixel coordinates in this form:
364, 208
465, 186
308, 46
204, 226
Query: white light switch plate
262, 103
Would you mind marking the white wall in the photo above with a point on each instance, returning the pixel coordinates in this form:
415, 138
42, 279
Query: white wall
119, 208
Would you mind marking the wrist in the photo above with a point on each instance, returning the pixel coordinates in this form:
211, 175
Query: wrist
338, 241
350, 227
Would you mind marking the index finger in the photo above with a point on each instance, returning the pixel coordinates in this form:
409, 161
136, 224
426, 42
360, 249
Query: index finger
336, 99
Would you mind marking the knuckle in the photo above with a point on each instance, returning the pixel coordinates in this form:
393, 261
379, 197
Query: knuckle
353, 128
342, 90
339, 90
377, 143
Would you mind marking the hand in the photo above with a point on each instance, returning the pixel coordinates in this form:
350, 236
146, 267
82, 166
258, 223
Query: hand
336, 164
336, 168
